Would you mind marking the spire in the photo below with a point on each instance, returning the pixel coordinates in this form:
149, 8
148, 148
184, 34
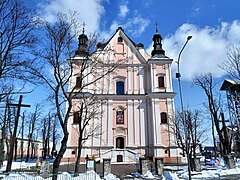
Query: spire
83, 28
82, 43
157, 44
156, 28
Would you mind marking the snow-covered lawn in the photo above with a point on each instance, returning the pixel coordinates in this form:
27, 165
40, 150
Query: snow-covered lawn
215, 172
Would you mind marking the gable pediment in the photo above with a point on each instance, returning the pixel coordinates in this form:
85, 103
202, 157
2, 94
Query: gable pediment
121, 47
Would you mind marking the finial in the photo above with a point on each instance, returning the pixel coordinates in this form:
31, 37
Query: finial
83, 27
156, 27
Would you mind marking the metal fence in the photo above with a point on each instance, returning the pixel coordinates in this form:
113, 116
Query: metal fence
90, 175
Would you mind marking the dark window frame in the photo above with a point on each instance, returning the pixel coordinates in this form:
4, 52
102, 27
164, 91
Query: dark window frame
161, 83
76, 117
78, 82
120, 87
120, 142
164, 119
120, 39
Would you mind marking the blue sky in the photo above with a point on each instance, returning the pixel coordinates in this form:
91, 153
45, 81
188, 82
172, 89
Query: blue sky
214, 25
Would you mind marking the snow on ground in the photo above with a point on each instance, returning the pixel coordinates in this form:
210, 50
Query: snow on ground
210, 172
17, 165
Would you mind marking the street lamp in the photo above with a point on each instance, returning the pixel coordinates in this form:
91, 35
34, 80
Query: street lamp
178, 76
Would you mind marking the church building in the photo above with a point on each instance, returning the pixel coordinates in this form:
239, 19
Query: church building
136, 110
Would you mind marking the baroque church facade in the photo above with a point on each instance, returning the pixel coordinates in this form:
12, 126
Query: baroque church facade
137, 102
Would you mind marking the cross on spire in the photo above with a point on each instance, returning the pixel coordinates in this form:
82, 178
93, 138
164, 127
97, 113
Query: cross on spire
156, 27
83, 28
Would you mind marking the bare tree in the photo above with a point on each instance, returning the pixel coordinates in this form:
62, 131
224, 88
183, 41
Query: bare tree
232, 67
17, 25
32, 127
44, 142
193, 128
46, 136
58, 45
206, 82
88, 110
3, 135
54, 136
232, 64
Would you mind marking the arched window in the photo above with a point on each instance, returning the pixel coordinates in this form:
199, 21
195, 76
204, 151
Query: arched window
120, 87
164, 118
120, 39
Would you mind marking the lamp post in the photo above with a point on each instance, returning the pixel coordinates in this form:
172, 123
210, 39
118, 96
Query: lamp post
178, 76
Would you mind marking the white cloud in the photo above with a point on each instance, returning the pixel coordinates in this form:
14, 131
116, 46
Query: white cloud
136, 25
123, 10
205, 51
89, 11
147, 3
195, 12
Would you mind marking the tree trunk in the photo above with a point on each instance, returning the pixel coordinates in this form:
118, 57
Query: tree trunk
23, 116
28, 149
48, 135
54, 139
60, 154
3, 138
77, 164
214, 140
2, 147
15, 150
32, 149
44, 140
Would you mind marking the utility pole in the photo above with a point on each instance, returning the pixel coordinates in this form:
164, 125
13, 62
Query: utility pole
10, 157
187, 143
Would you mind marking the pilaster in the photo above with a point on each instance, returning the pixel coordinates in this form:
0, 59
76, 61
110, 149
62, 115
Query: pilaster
135, 79
141, 75
130, 122
136, 123
129, 80
104, 122
156, 123
143, 122
110, 123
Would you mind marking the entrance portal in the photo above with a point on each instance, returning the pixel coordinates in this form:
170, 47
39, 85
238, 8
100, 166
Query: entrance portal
120, 143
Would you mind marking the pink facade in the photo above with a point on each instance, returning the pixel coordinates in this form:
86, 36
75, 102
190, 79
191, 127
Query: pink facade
137, 103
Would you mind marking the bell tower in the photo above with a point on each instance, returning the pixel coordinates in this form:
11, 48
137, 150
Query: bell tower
82, 44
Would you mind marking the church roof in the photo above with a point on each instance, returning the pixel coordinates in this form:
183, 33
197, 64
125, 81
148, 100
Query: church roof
230, 84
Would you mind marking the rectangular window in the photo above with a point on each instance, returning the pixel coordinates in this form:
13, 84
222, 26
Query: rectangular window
160, 81
76, 118
120, 117
164, 118
120, 87
78, 82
